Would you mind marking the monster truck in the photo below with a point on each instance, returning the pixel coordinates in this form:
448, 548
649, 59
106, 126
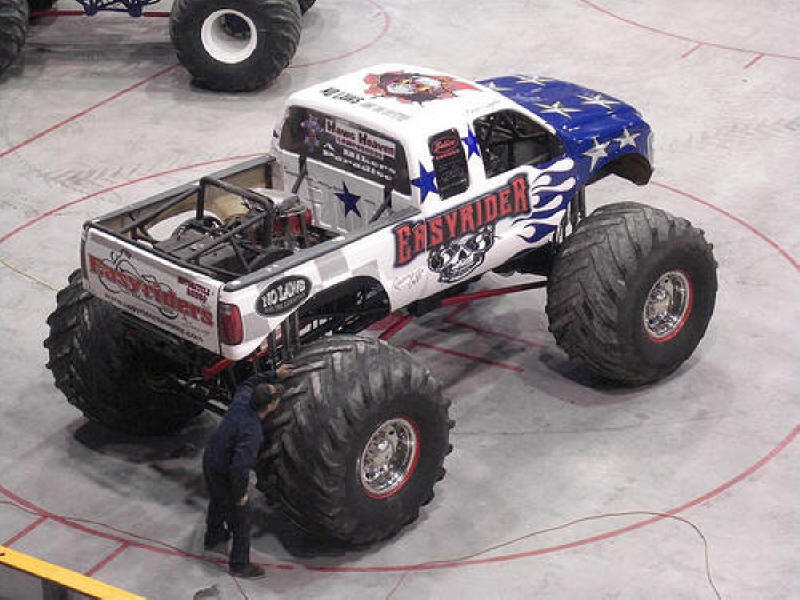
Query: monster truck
389, 190
227, 45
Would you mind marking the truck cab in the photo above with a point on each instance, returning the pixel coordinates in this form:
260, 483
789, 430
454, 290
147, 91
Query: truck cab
486, 177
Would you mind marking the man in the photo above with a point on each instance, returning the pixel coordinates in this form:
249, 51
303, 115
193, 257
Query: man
228, 458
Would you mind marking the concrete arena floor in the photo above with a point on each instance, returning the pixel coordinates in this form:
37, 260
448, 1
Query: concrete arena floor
95, 116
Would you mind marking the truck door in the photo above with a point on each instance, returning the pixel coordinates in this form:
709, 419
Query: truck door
478, 190
512, 146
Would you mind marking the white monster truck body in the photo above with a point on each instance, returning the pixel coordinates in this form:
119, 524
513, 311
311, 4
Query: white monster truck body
414, 180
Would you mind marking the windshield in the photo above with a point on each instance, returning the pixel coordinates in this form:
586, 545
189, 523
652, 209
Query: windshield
346, 145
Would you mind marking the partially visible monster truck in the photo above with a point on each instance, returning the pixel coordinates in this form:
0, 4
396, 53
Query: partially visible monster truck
228, 45
391, 188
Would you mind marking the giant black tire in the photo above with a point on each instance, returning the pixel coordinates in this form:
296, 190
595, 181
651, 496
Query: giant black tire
346, 388
305, 5
206, 47
13, 28
620, 261
103, 374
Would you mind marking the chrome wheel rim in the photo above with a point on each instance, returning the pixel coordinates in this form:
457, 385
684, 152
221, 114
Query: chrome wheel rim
667, 306
389, 457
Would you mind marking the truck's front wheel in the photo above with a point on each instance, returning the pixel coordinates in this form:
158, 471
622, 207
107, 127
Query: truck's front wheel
631, 292
358, 445
106, 376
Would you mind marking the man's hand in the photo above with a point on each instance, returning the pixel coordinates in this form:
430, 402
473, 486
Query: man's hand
284, 371
243, 500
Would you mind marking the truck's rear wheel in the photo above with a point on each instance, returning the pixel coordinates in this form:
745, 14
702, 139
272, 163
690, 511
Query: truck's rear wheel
13, 28
355, 451
631, 292
235, 45
104, 375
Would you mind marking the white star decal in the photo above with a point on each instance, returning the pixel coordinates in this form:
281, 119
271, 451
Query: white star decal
559, 109
536, 79
496, 88
596, 152
627, 139
598, 100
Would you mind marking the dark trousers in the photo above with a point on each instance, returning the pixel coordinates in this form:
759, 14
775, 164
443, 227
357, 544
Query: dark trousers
224, 510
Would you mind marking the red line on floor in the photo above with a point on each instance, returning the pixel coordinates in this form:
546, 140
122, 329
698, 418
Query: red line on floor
481, 359
117, 186
581, 542
697, 46
485, 331
677, 36
107, 559
397, 585
444, 564
24, 531
387, 21
733, 217
85, 111
754, 61
395, 328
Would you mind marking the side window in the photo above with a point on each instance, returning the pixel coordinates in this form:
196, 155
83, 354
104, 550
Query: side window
509, 139
449, 163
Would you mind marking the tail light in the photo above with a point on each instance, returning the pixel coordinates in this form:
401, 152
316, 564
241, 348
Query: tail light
231, 330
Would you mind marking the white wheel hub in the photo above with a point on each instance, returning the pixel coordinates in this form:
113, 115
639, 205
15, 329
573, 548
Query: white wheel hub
229, 36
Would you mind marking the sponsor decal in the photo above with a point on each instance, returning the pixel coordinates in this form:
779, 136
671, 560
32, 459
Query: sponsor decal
449, 163
412, 238
194, 289
409, 280
345, 145
351, 136
283, 295
443, 148
120, 275
414, 87
338, 94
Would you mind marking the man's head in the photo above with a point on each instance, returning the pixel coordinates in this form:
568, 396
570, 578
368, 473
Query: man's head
265, 398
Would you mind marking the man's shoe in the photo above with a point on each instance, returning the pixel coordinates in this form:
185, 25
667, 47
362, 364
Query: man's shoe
212, 541
248, 571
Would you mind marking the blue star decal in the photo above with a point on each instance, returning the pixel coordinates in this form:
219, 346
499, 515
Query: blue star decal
426, 182
472, 144
349, 200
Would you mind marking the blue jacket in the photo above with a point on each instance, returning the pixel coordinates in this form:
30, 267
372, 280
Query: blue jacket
233, 448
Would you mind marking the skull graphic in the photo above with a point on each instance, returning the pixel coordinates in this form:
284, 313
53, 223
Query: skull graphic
459, 257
